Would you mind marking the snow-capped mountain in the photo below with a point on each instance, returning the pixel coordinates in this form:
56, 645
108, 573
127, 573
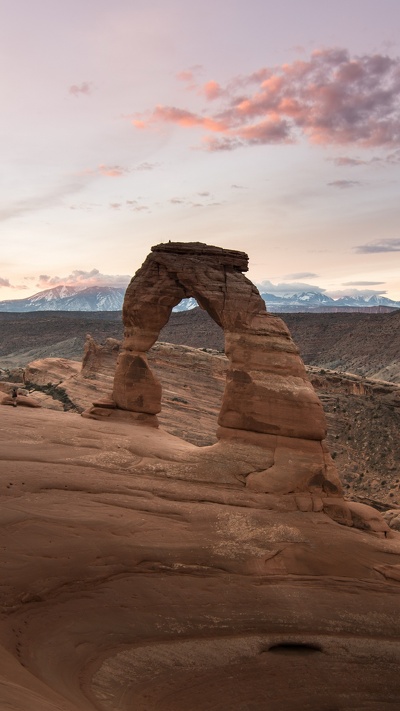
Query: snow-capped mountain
70, 298
316, 301
186, 305
110, 298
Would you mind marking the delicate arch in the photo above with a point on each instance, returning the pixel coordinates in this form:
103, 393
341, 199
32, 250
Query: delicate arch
267, 389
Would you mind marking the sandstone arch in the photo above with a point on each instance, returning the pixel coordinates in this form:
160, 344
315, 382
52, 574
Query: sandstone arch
267, 389
268, 402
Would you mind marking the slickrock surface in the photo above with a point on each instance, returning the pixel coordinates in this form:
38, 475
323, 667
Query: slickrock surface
138, 571
192, 380
363, 415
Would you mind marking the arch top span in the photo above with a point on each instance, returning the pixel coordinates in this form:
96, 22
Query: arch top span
239, 261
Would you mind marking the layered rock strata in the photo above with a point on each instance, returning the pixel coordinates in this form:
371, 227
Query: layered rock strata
129, 582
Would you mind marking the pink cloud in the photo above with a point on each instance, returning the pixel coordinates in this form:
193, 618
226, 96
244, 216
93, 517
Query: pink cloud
107, 171
185, 76
171, 114
189, 75
345, 161
212, 90
274, 130
82, 278
344, 184
331, 98
221, 144
112, 171
83, 89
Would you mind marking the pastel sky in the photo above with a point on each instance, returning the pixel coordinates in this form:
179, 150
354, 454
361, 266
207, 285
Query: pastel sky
264, 126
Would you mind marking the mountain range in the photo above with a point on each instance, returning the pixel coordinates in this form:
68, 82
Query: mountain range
110, 298
69, 298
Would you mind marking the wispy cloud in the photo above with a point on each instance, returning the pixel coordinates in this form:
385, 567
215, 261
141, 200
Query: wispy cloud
136, 206
383, 160
6, 283
344, 184
107, 171
331, 98
118, 171
86, 206
365, 293
42, 201
82, 278
112, 171
146, 166
188, 76
391, 244
85, 88
295, 287
298, 287
347, 162
300, 275
192, 201
363, 283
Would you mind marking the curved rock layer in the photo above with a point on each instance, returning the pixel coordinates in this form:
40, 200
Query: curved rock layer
267, 391
131, 580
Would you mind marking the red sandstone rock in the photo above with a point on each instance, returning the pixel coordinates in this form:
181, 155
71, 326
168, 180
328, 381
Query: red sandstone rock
140, 573
267, 390
99, 358
23, 400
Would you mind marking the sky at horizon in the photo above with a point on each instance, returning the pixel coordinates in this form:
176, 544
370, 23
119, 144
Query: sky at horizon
269, 128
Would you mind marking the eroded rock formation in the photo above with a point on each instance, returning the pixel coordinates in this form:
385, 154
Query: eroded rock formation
131, 583
268, 400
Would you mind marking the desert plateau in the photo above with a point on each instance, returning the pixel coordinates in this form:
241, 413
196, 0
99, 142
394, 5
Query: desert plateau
192, 519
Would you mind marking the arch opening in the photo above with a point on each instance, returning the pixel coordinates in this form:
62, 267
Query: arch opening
189, 361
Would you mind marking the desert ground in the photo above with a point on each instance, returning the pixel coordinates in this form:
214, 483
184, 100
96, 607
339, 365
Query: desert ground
139, 573
363, 344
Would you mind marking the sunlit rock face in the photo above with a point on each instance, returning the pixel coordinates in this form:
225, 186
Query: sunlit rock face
267, 391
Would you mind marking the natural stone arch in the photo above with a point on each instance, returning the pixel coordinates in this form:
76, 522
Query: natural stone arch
271, 424
267, 389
